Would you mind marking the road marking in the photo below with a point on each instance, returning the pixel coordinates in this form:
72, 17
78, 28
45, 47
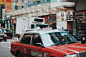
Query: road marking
5, 42
5, 46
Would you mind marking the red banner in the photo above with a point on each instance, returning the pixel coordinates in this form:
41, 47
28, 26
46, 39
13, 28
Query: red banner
8, 0
14, 21
2, 0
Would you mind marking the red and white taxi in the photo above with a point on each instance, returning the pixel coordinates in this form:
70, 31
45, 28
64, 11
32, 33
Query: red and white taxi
3, 36
47, 43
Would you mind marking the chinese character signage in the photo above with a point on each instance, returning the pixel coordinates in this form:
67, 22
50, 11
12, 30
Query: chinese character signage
8, 2
61, 16
64, 16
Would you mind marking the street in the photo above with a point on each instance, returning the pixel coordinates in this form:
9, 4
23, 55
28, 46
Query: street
5, 48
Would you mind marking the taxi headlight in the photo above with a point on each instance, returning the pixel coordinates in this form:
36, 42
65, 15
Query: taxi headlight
71, 55
5, 35
83, 38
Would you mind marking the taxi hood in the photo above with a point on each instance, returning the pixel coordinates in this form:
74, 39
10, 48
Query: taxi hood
69, 48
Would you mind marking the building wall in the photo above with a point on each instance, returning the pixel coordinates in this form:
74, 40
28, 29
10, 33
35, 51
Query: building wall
8, 8
81, 5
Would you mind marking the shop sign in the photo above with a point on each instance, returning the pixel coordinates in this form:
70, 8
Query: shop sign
14, 21
8, 8
52, 16
80, 15
61, 16
8, 16
7, 2
70, 15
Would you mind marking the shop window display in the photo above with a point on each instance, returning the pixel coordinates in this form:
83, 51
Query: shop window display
81, 27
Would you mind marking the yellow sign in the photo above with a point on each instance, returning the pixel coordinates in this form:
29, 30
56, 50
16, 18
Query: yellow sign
8, 2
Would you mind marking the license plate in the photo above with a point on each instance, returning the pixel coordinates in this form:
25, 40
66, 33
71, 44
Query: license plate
1, 37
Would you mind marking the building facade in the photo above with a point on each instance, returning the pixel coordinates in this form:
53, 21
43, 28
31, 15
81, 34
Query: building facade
41, 8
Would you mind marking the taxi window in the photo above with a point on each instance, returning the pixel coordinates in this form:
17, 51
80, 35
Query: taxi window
32, 26
26, 39
36, 39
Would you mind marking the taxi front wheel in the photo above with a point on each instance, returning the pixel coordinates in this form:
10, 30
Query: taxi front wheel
5, 40
18, 54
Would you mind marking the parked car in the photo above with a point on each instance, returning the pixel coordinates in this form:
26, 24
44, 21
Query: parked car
8, 32
75, 35
3, 36
47, 43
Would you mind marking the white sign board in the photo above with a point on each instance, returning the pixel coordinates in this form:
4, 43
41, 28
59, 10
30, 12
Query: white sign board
62, 24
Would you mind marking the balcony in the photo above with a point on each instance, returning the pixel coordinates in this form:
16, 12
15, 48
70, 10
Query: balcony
63, 3
42, 7
33, 3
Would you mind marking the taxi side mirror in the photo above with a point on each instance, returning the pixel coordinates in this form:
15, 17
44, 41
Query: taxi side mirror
39, 44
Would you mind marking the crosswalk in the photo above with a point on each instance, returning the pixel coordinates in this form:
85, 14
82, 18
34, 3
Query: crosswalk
8, 41
5, 47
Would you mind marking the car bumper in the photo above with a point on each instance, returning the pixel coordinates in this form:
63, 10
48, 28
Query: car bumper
3, 38
12, 52
10, 36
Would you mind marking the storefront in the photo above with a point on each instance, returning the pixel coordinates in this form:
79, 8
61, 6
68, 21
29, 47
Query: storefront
8, 21
14, 28
65, 20
50, 19
80, 17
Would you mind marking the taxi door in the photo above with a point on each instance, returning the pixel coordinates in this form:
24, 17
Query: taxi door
25, 44
35, 46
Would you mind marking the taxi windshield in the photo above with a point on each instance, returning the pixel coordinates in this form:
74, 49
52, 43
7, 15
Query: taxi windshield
57, 38
1, 31
72, 32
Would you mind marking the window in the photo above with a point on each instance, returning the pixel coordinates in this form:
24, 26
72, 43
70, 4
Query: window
32, 26
16, 7
57, 38
38, 20
36, 39
26, 39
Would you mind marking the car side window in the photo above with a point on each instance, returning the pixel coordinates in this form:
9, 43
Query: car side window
32, 26
26, 39
36, 40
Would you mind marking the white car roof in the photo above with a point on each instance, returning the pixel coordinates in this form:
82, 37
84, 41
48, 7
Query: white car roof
45, 31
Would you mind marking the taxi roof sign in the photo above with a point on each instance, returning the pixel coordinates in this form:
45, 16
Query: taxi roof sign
49, 28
